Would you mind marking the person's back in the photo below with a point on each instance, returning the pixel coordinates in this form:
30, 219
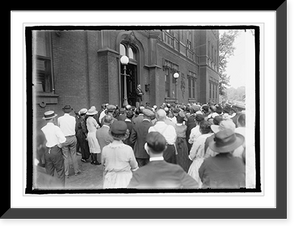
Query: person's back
223, 171
161, 175
102, 134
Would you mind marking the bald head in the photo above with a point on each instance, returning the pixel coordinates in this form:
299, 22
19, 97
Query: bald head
161, 115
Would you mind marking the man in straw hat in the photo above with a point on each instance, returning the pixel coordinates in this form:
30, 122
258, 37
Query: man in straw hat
223, 170
159, 174
54, 137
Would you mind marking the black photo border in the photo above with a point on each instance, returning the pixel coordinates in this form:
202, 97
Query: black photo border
279, 212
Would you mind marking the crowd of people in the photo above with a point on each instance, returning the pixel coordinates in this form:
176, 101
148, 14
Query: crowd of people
187, 146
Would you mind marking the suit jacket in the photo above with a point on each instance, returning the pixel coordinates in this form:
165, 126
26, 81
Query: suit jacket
138, 119
139, 94
162, 175
222, 171
103, 136
129, 127
138, 138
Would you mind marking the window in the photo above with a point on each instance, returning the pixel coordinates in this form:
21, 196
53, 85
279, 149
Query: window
42, 63
167, 83
127, 50
122, 50
193, 88
170, 82
183, 36
208, 49
192, 84
189, 40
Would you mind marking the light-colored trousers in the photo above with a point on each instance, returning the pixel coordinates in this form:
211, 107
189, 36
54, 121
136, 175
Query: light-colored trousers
69, 153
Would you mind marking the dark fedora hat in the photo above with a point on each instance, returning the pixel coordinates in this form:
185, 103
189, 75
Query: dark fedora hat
226, 141
67, 108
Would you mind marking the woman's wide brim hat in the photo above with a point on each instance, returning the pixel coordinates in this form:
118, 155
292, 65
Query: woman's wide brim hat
83, 111
92, 111
49, 114
226, 141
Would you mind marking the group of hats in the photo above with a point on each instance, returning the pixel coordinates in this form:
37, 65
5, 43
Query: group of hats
51, 114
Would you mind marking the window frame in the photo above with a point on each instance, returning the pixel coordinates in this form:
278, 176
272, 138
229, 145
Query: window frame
48, 71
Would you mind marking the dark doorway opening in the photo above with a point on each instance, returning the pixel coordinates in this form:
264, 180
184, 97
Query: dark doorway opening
131, 83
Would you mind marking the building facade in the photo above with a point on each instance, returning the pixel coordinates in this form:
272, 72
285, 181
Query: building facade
83, 68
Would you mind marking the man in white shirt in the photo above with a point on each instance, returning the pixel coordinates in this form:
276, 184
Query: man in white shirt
67, 125
54, 138
169, 132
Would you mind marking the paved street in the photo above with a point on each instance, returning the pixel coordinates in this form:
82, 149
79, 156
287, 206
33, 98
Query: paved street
91, 176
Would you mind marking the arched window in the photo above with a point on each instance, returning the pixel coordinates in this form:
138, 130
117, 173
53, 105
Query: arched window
130, 51
122, 50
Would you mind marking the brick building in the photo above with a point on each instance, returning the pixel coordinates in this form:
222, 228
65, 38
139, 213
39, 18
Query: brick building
82, 67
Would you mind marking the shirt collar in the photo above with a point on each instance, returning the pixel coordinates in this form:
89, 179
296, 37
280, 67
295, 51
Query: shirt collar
106, 126
160, 158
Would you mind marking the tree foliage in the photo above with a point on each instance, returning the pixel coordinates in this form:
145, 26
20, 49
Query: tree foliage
226, 50
236, 94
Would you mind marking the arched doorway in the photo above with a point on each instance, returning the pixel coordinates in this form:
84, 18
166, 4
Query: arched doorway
131, 73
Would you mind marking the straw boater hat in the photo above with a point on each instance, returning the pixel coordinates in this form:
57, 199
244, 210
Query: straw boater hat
92, 111
226, 141
49, 114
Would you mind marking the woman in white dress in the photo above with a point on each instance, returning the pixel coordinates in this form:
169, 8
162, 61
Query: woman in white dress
197, 153
92, 127
118, 159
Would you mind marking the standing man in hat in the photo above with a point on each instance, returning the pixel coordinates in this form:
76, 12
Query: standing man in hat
139, 95
138, 137
224, 170
54, 139
67, 124
81, 134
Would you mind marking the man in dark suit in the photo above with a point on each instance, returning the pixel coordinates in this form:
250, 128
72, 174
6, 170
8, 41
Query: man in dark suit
129, 124
138, 118
158, 174
138, 137
139, 95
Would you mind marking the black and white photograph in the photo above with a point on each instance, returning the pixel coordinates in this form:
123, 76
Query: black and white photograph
148, 115
120, 109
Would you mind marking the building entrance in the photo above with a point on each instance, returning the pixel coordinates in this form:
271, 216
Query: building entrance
131, 83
